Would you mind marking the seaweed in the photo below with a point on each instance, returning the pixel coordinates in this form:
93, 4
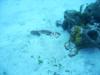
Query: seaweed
76, 35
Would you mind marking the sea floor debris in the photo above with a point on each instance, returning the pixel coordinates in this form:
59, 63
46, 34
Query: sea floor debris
46, 32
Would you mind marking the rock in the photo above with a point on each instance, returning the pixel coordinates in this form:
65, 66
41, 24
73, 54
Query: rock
82, 38
90, 37
71, 18
93, 10
83, 27
89, 15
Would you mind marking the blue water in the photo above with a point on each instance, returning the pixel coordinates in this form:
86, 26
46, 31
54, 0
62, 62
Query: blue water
24, 54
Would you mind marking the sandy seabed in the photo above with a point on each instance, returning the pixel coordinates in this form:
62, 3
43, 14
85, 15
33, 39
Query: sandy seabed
24, 54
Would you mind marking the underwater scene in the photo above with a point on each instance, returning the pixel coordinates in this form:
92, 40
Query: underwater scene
49, 37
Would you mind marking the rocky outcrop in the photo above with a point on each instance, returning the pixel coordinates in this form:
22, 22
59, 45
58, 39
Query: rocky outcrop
71, 18
90, 37
84, 27
89, 15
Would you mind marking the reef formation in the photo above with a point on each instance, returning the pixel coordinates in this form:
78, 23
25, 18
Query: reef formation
83, 26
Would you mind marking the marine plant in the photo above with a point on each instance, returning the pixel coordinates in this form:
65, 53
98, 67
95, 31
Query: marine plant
76, 35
